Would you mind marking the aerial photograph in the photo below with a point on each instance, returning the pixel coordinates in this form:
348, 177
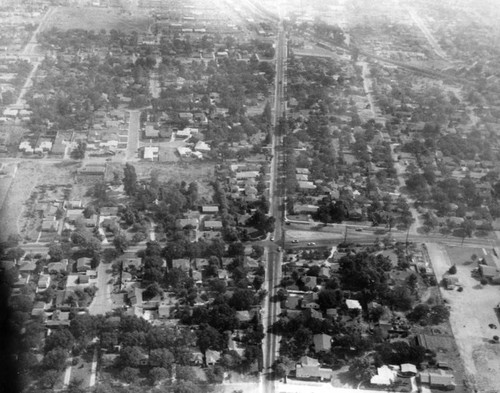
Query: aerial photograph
249, 196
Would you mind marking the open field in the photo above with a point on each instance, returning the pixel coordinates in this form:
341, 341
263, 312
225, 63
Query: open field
66, 18
471, 312
199, 171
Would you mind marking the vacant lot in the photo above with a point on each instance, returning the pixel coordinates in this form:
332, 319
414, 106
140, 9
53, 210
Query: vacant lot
471, 314
66, 18
199, 171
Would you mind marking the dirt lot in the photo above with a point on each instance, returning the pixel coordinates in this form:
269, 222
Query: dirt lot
471, 313
96, 19
200, 171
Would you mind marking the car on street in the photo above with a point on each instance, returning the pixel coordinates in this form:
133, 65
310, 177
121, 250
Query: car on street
272, 238
359, 229
311, 244
295, 241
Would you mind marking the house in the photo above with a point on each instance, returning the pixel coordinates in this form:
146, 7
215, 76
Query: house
243, 316
27, 267
408, 370
196, 357
75, 204
134, 295
39, 309
83, 264
311, 313
353, 304
73, 214
184, 222
107, 211
322, 342
213, 225
164, 310
209, 209
211, 357
310, 282
181, 263
305, 209
385, 376
57, 267
332, 312
43, 282
49, 226
129, 264
150, 132
292, 302
150, 153
488, 271
438, 380
202, 146
306, 185
310, 368
184, 151
59, 318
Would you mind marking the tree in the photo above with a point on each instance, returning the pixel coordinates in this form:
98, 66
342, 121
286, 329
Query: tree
130, 180
242, 299
129, 374
184, 373
60, 338
84, 327
282, 366
55, 359
161, 357
209, 338
158, 374
50, 378
438, 314
78, 153
360, 369
130, 357
120, 242
56, 252
453, 269
468, 227
14, 254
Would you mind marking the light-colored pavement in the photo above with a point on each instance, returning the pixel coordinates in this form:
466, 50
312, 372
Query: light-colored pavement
93, 370
133, 135
102, 303
428, 35
270, 344
67, 372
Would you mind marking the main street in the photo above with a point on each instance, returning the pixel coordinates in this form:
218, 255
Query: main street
274, 253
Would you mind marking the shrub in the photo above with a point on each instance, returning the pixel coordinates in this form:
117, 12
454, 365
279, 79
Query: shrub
452, 270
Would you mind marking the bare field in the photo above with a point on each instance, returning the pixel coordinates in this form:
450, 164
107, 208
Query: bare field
66, 18
199, 171
471, 313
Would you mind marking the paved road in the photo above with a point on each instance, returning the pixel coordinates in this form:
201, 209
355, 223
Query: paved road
273, 252
133, 135
430, 38
102, 303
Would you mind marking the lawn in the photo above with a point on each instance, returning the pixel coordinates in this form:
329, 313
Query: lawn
66, 18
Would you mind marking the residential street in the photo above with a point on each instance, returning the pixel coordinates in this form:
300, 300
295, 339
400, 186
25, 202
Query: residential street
102, 302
